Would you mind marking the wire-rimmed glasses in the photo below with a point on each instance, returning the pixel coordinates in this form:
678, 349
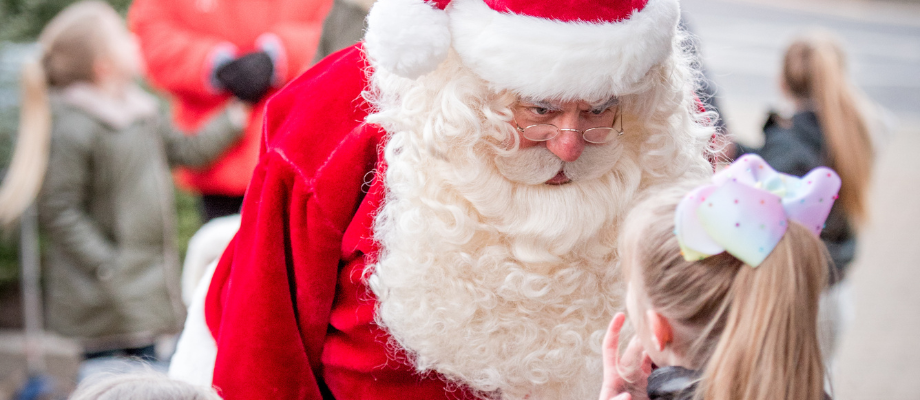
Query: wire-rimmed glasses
598, 135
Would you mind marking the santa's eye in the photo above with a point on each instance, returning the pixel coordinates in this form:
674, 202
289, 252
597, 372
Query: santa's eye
539, 110
599, 111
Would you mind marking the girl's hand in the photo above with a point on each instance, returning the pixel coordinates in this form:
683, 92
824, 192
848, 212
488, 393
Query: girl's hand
636, 366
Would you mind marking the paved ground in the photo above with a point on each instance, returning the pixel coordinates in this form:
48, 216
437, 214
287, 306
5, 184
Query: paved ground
743, 40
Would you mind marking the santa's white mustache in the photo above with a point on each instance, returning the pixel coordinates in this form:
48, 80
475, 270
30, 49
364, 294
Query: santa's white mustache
534, 166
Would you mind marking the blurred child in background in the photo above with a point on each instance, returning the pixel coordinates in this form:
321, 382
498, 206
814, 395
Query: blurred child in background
100, 151
723, 289
831, 127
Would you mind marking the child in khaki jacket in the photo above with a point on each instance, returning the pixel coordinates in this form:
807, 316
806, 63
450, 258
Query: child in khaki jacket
100, 151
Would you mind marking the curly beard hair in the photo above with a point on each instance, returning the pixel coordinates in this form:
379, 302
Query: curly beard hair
485, 275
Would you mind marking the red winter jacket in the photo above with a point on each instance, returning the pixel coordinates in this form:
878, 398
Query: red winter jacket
179, 40
287, 305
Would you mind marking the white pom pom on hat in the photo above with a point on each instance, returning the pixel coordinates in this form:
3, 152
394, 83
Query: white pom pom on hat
539, 48
407, 37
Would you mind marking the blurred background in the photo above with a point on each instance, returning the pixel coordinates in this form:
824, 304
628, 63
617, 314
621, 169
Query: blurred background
741, 44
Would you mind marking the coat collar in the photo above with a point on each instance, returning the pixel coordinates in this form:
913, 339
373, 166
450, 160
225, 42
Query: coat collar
672, 383
119, 113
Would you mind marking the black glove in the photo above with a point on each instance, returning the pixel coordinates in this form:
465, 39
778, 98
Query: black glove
247, 77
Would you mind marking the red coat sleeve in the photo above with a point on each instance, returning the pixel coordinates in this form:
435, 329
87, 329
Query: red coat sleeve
262, 353
270, 300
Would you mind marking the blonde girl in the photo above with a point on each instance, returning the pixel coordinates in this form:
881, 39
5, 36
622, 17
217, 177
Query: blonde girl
834, 126
815, 78
723, 289
94, 153
830, 127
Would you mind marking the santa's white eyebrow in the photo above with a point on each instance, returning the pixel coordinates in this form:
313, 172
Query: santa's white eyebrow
542, 104
606, 104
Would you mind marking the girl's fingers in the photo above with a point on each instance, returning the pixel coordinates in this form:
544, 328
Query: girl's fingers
622, 396
632, 357
611, 352
612, 381
646, 364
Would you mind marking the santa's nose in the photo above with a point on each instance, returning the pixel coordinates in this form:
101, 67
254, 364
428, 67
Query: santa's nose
568, 145
570, 142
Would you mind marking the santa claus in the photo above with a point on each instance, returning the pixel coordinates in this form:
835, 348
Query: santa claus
435, 212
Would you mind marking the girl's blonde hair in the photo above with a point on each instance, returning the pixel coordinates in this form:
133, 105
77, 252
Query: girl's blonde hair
141, 386
814, 70
70, 44
755, 328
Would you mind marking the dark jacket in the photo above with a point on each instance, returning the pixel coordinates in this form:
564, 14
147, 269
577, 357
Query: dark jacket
796, 150
676, 383
672, 383
343, 26
106, 208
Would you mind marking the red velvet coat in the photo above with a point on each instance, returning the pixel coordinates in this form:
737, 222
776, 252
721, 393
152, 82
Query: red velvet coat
287, 305
179, 39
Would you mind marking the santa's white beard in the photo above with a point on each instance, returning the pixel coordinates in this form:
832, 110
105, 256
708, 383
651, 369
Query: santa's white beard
502, 286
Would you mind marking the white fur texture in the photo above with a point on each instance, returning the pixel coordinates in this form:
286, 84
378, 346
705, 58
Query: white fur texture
196, 352
407, 37
543, 58
499, 283
205, 247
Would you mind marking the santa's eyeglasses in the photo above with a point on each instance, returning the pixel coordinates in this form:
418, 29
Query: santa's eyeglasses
599, 135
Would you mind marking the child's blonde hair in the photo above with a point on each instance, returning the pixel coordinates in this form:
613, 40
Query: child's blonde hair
814, 70
141, 386
756, 328
70, 44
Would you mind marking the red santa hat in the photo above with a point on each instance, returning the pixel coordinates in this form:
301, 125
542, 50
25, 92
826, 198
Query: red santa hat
562, 49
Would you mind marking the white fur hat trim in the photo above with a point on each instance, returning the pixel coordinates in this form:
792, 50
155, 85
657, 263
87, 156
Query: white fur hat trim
542, 58
532, 56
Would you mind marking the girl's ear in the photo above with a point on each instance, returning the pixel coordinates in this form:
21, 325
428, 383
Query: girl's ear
662, 333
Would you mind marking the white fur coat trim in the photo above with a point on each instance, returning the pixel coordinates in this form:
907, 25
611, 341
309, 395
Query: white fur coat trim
196, 352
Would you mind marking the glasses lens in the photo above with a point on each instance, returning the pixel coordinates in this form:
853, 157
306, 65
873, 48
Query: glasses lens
540, 132
600, 135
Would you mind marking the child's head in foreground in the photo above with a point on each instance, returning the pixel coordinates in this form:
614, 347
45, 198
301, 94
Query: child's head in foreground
749, 330
141, 386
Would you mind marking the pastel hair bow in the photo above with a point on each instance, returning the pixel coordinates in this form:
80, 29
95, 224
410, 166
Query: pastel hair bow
747, 208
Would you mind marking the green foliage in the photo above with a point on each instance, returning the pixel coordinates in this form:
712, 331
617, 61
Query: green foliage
22, 20
188, 219
9, 261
